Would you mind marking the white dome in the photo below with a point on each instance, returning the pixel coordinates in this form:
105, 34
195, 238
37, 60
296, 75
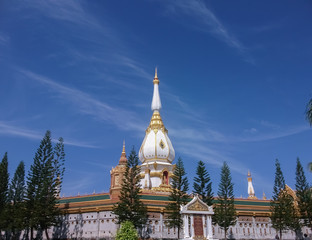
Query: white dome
156, 145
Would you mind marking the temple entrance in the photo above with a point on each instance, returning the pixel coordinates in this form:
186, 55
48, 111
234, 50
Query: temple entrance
198, 226
197, 222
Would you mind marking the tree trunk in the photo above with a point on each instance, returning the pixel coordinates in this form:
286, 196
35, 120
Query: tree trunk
281, 234
225, 231
31, 233
47, 234
178, 233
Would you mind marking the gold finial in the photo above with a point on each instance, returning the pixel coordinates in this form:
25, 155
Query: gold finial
263, 196
156, 78
124, 147
248, 174
123, 158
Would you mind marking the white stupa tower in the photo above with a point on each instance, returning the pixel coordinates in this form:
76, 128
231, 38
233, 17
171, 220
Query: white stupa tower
251, 191
156, 152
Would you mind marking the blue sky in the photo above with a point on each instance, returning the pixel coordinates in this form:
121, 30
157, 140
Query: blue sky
235, 77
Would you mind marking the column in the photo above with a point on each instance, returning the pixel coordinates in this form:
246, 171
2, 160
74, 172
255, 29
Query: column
209, 227
204, 225
186, 227
192, 227
161, 224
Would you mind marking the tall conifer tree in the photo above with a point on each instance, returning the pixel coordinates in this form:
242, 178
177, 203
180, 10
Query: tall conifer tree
4, 184
304, 195
42, 191
130, 207
282, 205
309, 112
225, 213
17, 197
178, 196
202, 184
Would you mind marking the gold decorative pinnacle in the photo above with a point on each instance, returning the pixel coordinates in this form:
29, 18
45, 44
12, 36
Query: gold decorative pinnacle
124, 147
263, 196
156, 80
249, 176
156, 122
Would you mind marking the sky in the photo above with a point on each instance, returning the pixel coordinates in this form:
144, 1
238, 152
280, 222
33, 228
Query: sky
235, 79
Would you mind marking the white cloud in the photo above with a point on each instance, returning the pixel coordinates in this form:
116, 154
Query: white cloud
88, 105
251, 130
4, 39
275, 134
199, 10
7, 128
70, 11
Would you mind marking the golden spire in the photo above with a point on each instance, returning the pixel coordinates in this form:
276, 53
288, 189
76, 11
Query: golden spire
248, 174
124, 147
156, 80
263, 196
123, 158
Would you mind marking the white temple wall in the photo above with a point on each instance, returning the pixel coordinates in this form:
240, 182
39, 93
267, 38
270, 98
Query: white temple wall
102, 225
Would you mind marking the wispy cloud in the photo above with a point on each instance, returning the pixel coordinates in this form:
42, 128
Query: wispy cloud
289, 131
199, 10
136, 68
70, 11
269, 124
88, 105
4, 39
251, 130
7, 128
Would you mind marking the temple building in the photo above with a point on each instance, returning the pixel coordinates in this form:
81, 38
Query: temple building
91, 217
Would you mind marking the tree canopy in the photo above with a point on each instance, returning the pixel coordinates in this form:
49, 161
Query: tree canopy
178, 196
130, 207
225, 213
202, 184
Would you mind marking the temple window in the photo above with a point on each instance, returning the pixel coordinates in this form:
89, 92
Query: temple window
165, 178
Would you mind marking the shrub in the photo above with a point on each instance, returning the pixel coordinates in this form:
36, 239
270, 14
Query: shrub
127, 232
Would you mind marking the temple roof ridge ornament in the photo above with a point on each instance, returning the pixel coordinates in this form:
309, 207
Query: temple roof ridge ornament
251, 191
123, 158
196, 205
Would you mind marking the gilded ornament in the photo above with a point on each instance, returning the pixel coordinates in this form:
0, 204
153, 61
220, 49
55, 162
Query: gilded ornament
162, 144
199, 238
155, 165
198, 206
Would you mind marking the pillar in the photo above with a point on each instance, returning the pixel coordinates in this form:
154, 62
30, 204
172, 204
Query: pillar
192, 227
186, 227
204, 225
209, 228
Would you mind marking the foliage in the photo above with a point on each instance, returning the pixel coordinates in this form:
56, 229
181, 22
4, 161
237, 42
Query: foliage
202, 184
17, 197
304, 195
127, 231
43, 186
282, 205
309, 112
4, 184
178, 196
225, 213
129, 207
